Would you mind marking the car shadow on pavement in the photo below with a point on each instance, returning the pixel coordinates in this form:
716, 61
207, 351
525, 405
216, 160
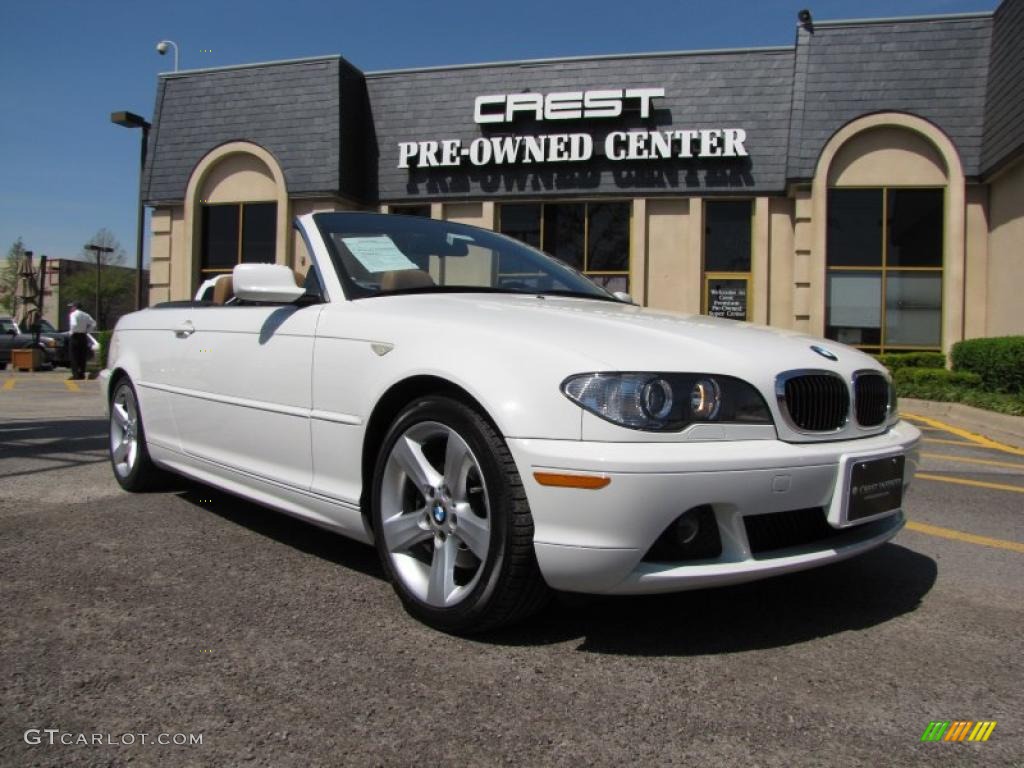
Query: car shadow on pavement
855, 594
66, 442
290, 531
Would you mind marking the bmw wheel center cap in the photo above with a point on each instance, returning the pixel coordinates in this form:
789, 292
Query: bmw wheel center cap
439, 514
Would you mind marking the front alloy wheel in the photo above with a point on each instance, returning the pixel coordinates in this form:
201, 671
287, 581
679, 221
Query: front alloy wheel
436, 524
129, 457
452, 524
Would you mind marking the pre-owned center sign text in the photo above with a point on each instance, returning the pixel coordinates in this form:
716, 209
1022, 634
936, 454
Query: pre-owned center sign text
571, 147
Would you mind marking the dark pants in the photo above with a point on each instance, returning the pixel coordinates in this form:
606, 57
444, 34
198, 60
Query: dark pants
79, 354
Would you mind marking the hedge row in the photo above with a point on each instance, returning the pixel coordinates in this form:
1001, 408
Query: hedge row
896, 361
955, 387
918, 382
998, 361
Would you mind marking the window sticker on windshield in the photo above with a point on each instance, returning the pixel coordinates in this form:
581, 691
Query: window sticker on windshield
378, 253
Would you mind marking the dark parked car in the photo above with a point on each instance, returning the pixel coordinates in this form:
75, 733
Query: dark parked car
52, 342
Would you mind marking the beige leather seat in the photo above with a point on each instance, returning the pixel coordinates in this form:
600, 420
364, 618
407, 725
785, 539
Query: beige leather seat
223, 289
403, 279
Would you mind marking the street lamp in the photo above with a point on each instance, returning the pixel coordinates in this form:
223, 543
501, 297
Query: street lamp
98, 250
161, 48
131, 120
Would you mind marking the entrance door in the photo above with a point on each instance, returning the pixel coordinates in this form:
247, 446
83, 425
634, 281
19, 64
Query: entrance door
728, 240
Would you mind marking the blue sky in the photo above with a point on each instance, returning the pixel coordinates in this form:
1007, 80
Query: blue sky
66, 171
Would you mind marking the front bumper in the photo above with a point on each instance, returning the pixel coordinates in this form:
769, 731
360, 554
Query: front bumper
104, 388
595, 541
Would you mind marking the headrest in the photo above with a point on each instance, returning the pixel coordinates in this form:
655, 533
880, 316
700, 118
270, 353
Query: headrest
223, 289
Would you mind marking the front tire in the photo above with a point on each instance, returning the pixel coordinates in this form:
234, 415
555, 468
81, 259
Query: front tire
129, 457
452, 524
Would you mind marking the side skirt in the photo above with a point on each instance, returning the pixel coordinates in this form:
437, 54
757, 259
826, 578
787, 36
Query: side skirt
332, 514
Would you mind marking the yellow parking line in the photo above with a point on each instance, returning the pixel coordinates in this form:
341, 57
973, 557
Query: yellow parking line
947, 442
9, 384
974, 483
974, 438
72, 385
986, 462
970, 538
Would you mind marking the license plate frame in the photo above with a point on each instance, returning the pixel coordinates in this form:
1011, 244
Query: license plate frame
868, 488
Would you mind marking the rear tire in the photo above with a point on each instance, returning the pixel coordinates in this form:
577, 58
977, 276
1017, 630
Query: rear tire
129, 457
452, 524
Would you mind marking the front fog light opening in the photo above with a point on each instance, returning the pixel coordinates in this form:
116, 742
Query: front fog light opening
691, 536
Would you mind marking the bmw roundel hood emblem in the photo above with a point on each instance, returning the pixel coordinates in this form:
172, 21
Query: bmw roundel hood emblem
827, 354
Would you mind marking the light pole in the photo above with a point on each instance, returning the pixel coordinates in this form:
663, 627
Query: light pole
98, 250
161, 48
131, 120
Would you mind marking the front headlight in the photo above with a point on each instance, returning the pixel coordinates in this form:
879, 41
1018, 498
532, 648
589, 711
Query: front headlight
49, 342
665, 402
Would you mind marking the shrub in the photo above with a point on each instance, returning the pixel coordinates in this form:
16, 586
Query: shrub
993, 401
933, 383
998, 361
896, 361
103, 337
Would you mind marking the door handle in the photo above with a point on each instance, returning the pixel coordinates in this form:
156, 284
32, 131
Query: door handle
185, 330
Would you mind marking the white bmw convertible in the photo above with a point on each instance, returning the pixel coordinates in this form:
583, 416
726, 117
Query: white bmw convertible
497, 425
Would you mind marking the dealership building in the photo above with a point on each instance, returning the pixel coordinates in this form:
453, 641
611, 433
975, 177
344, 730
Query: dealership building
865, 183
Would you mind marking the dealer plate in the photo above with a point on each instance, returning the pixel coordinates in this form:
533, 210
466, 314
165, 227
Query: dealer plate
876, 486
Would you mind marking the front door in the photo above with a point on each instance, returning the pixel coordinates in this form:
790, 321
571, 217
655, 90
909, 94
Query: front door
244, 388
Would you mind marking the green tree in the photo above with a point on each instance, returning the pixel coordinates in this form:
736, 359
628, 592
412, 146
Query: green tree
9, 277
116, 286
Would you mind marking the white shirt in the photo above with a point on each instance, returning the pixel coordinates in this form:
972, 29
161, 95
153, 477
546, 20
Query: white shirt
81, 322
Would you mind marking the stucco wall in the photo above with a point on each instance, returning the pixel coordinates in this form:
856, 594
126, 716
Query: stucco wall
1006, 253
672, 270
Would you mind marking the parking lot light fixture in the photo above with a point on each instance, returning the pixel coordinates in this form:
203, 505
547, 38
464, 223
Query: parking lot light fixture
131, 120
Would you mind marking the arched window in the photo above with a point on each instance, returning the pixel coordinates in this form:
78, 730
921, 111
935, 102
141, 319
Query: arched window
237, 210
886, 234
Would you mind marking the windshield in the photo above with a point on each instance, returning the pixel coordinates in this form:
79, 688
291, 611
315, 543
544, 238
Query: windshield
376, 254
46, 327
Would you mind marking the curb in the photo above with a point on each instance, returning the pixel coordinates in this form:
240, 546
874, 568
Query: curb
997, 426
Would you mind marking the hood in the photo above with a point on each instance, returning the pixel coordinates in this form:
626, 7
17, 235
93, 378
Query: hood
623, 337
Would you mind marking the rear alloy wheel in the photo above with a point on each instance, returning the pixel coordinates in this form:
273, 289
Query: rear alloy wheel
129, 456
453, 527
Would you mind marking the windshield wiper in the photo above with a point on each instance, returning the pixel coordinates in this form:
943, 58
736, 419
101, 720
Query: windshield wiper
574, 294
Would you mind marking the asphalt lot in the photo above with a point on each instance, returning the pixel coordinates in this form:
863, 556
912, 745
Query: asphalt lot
192, 612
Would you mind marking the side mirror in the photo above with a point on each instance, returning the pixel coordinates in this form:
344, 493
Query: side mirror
624, 297
268, 283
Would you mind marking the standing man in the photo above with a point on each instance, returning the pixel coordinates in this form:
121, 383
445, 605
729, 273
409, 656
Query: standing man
79, 324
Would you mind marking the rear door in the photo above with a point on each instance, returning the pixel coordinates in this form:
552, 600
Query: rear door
243, 399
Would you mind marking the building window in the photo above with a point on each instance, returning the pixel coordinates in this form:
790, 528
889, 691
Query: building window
884, 259
728, 242
237, 233
592, 237
411, 210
